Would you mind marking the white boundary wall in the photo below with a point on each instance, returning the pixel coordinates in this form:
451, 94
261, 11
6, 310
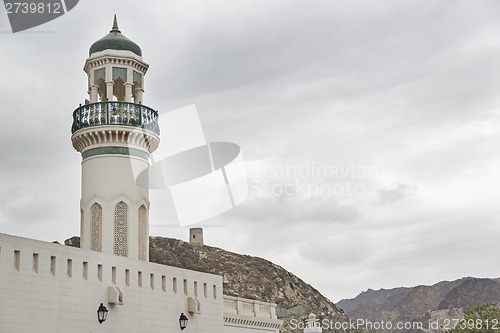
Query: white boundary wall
245, 315
47, 287
51, 288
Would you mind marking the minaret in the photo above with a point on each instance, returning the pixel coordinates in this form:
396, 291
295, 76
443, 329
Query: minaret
115, 133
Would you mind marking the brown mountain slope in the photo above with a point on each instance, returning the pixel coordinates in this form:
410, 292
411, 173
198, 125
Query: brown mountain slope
443, 300
243, 275
373, 297
419, 300
477, 291
375, 305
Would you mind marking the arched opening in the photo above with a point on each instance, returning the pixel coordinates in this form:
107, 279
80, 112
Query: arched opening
101, 89
119, 89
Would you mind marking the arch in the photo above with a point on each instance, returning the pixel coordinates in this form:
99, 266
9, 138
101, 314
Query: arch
96, 227
120, 244
119, 89
143, 232
137, 79
101, 89
129, 201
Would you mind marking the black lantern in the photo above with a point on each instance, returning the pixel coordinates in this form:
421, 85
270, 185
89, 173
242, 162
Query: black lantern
102, 313
183, 321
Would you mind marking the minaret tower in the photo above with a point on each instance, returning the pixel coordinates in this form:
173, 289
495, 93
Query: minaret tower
115, 133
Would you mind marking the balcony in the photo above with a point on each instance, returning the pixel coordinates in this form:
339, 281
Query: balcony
115, 113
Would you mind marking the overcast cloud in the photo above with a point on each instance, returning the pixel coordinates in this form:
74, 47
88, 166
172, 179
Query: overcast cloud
398, 100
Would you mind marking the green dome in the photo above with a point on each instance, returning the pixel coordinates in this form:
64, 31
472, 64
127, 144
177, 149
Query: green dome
115, 41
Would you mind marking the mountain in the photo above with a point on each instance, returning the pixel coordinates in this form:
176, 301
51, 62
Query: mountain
477, 291
248, 277
442, 301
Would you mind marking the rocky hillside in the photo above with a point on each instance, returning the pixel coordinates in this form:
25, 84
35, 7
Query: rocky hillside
443, 300
245, 276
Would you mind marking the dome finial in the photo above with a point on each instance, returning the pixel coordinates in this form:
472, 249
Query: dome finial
115, 26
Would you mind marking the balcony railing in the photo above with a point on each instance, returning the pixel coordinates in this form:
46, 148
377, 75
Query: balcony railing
115, 113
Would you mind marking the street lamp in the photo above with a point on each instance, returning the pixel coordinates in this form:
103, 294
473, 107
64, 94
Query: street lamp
102, 313
183, 321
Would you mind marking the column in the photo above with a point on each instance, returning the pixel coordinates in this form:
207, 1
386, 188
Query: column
128, 91
138, 95
93, 94
109, 90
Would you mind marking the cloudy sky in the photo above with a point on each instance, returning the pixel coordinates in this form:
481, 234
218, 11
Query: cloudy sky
370, 129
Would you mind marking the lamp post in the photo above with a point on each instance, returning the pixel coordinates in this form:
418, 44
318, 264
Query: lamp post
183, 321
102, 313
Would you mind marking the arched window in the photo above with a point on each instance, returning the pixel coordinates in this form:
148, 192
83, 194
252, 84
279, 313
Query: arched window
119, 78
120, 246
143, 233
96, 228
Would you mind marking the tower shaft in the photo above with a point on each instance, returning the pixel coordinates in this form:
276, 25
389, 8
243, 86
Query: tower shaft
115, 137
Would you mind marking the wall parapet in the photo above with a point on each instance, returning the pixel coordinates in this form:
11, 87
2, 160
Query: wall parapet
39, 281
53, 288
249, 307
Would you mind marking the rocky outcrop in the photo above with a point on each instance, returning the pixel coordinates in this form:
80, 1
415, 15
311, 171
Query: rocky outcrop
73, 241
437, 321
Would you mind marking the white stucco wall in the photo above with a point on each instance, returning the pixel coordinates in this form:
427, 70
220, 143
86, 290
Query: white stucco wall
243, 315
39, 298
47, 287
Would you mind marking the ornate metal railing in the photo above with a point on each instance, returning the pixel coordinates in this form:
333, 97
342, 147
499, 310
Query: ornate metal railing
115, 113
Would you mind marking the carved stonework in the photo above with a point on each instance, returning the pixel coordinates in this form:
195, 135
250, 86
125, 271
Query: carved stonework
96, 228
142, 232
120, 72
120, 246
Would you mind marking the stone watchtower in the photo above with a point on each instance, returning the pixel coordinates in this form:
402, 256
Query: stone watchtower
196, 236
115, 133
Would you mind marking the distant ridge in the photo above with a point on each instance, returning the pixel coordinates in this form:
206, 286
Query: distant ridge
445, 299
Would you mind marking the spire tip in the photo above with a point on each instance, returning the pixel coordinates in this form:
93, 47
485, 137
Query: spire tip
115, 26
